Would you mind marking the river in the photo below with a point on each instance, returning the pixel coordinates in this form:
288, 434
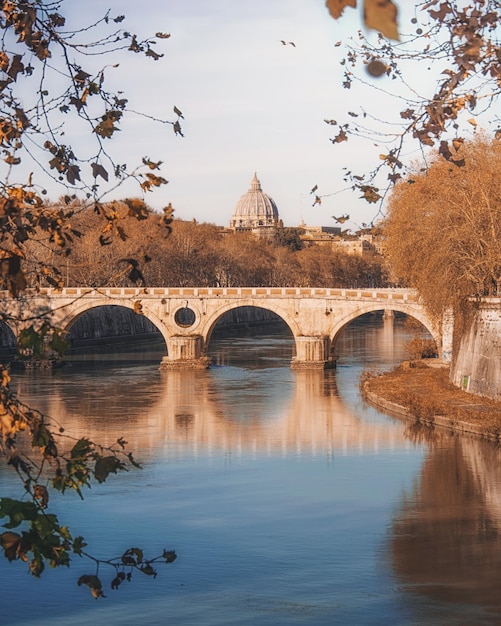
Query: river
288, 500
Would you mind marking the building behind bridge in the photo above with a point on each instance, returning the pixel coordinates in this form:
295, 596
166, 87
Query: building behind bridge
256, 212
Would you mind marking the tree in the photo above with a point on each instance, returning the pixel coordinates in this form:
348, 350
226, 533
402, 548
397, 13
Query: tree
455, 48
40, 56
444, 226
50, 92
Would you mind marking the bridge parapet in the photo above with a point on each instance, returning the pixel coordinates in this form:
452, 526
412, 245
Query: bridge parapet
405, 295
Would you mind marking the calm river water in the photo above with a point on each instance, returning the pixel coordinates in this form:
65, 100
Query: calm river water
287, 499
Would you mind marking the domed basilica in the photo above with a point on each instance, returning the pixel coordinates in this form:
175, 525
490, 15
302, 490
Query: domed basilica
256, 212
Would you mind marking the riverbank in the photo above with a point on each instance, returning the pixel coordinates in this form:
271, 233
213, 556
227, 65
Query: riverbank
421, 392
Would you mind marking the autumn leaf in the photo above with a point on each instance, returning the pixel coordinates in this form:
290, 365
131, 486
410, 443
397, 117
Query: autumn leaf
177, 128
16, 67
118, 580
93, 583
336, 7
80, 78
132, 556
78, 545
151, 53
169, 555
17, 512
42, 495
12, 160
81, 449
106, 465
381, 15
73, 174
106, 126
98, 170
341, 136
342, 219
4, 61
152, 181
10, 542
152, 164
370, 194
148, 570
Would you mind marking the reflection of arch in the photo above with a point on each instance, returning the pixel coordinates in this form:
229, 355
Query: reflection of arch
282, 313
196, 409
140, 324
417, 314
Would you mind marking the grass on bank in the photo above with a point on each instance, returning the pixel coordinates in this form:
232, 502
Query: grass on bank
426, 392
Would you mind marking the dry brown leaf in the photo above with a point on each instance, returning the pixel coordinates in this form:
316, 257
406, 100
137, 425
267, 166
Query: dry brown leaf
336, 7
381, 15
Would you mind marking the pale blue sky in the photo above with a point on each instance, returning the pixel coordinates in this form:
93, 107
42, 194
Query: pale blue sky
250, 104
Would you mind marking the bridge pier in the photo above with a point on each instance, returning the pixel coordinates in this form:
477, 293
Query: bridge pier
313, 353
185, 352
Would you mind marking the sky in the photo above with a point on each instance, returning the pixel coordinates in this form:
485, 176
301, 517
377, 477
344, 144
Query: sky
250, 105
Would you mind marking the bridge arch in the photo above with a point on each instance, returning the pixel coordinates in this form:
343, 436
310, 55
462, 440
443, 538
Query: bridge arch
215, 317
71, 317
407, 309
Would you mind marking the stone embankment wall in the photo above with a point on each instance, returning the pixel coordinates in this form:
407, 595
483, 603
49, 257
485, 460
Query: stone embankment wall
477, 365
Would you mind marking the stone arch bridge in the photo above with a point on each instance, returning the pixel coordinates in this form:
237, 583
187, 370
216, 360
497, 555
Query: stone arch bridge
186, 316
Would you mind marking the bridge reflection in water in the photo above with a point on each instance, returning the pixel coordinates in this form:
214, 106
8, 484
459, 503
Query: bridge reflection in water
194, 409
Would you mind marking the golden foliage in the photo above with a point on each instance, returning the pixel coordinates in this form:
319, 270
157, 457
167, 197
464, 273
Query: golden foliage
444, 226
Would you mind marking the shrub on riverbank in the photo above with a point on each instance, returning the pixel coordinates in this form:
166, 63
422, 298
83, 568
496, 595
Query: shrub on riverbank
420, 348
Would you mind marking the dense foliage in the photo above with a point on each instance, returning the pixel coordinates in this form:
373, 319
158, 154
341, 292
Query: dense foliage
195, 254
444, 227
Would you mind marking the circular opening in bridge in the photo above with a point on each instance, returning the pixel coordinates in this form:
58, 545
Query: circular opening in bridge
185, 317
